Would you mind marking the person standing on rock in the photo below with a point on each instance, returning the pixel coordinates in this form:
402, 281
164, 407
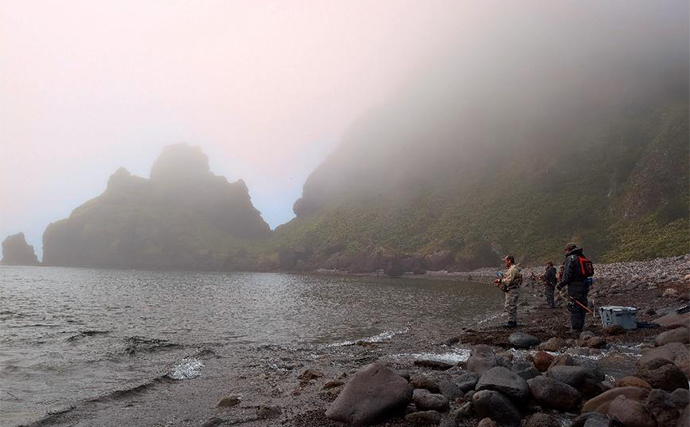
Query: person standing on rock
550, 283
577, 270
510, 285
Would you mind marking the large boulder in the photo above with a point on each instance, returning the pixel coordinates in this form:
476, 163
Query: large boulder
424, 381
553, 344
494, 405
450, 390
542, 420
663, 374
482, 358
594, 342
554, 394
669, 351
542, 361
631, 381
631, 412
679, 335
467, 381
684, 420
504, 381
681, 397
529, 373
592, 367
664, 407
523, 340
563, 360
425, 400
424, 418
590, 419
375, 392
571, 375
487, 422
601, 403
674, 320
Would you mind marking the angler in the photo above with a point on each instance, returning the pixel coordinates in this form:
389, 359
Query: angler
510, 285
550, 282
577, 276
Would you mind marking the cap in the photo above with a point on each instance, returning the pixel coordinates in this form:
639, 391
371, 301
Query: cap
570, 246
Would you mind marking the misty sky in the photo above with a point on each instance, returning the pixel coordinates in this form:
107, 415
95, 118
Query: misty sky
266, 88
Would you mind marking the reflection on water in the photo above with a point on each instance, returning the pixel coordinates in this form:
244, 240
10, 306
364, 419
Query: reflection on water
73, 334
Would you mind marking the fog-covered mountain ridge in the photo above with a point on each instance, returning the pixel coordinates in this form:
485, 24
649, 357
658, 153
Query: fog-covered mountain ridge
550, 137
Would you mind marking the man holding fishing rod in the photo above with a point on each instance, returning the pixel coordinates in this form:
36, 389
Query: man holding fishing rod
577, 273
510, 283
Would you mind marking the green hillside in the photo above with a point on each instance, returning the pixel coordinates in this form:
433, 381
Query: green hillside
485, 154
622, 198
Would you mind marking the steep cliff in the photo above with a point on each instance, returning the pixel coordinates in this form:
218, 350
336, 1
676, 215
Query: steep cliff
15, 251
183, 217
517, 150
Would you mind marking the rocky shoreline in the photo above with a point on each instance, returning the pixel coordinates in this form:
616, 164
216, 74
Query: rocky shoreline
540, 374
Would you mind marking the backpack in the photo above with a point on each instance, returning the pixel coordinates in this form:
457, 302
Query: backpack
586, 266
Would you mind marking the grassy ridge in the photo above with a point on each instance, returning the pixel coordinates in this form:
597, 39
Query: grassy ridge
621, 192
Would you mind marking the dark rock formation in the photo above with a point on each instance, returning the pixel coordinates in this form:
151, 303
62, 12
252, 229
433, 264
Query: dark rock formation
523, 340
631, 412
373, 393
482, 358
663, 374
554, 394
183, 217
504, 381
467, 382
426, 400
15, 251
601, 402
489, 403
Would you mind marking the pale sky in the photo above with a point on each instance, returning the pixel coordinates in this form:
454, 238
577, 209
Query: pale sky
265, 88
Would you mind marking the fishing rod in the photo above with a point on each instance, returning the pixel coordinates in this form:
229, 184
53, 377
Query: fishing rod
581, 305
500, 275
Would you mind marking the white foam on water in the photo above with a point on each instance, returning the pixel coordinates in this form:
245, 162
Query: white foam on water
188, 368
383, 336
454, 356
495, 316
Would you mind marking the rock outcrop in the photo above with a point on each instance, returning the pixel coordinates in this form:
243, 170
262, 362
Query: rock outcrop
183, 217
15, 251
374, 392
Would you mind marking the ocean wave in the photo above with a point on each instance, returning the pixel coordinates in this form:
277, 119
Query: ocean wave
383, 336
140, 388
138, 344
454, 356
188, 368
87, 333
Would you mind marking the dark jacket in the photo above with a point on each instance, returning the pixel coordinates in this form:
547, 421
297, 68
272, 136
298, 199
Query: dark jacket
550, 276
571, 268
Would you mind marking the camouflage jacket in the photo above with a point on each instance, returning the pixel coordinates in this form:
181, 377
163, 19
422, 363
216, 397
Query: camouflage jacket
512, 279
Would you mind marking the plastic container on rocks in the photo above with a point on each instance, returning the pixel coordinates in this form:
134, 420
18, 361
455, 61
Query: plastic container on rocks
617, 315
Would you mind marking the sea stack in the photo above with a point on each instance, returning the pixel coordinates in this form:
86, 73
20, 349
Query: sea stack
184, 217
15, 251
